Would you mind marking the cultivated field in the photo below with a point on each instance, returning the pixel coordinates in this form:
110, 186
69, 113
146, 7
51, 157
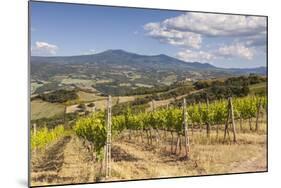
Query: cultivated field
69, 161
42, 109
167, 133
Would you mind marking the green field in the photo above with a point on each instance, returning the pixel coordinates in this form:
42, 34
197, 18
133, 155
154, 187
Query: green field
85, 82
257, 88
169, 79
34, 86
85, 97
42, 109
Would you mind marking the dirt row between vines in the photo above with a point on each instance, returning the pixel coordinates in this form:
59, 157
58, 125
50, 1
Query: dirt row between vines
249, 155
68, 161
65, 162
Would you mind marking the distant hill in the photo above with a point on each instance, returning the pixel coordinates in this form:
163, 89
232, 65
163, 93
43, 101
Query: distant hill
257, 70
121, 57
115, 70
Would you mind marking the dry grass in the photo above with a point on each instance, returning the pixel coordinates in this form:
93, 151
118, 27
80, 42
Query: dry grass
124, 98
85, 96
160, 103
207, 156
68, 161
41, 109
64, 162
99, 101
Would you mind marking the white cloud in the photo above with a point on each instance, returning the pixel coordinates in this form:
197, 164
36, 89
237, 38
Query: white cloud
193, 56
173, 37
217, 24
236, 50
243, 36
44, 48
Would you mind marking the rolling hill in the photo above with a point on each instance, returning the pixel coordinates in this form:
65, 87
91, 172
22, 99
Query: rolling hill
114, 70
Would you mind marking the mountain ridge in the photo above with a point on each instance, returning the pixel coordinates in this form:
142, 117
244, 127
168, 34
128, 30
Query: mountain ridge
115, 71
122, 53
111, 59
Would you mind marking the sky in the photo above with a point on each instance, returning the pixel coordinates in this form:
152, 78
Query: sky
229, 41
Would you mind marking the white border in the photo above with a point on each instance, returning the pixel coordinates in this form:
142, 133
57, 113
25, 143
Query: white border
13, 72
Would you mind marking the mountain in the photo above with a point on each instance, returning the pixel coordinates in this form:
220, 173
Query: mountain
107, 70
121, 57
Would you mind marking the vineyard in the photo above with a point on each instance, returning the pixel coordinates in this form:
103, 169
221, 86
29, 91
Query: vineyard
144, 95
175, 131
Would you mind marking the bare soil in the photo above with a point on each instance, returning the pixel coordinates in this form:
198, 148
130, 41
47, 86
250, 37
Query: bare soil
68, 161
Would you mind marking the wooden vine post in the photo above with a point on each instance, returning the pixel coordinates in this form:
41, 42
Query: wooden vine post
200, 123
207, 123
157, 136
153, 105
187, 148
258, 114
230, 115
34, 134
232, 120
108, 140
226, 123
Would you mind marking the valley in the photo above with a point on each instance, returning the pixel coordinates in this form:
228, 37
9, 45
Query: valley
117, 72
69, 103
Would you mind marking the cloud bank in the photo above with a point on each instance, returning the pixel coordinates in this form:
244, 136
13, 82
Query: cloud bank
44, 48
235, 36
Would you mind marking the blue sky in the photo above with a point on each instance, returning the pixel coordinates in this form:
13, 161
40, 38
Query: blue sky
224, 41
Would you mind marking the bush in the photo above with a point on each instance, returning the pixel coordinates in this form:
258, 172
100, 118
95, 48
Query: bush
59, 96
91, 104
81, 106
